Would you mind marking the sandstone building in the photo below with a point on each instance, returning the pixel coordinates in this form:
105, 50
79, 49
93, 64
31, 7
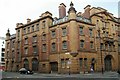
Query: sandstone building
72, 43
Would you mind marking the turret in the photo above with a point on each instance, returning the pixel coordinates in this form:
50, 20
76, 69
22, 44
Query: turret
8, 34
73, 29
72, 12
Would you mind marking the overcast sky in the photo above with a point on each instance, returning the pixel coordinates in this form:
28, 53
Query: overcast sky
17, 11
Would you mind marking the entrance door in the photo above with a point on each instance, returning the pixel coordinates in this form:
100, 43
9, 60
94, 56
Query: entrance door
108, 64
35, 64
54, 66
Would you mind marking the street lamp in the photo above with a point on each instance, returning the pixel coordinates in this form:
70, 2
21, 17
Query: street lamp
69, 62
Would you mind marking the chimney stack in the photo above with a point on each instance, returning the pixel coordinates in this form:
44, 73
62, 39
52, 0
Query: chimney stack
86, 13
62, 10
28, 20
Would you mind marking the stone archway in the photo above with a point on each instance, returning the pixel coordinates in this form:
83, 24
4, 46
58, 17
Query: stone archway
35, 64
108, 63
26, 63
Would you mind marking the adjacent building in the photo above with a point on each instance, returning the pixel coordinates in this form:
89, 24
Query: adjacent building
72, 43
2, 55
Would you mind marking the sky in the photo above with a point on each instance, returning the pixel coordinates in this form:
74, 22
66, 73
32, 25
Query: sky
17, 11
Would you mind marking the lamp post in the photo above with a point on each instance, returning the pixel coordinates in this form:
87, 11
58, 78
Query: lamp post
100, 50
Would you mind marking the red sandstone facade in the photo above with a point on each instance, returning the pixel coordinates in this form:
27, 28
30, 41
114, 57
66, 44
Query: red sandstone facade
68, 44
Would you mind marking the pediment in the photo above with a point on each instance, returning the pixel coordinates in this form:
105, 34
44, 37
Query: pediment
106, 15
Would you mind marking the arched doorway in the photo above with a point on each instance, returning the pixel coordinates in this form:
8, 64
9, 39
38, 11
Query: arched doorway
35, 64
108, 63
26, 63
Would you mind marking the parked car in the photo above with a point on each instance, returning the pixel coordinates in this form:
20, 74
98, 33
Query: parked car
25, 71
118, 71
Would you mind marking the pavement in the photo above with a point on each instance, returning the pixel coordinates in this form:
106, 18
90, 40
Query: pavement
54, 76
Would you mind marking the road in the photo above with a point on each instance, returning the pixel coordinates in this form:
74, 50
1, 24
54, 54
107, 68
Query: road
36, 76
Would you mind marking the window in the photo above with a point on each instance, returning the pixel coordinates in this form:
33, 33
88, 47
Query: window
13, 44
35, 50
91, 45
34, 39
28, 29
18, 45
8, 45
106, 34
18, 33
91, 32
26, 40
81, 62
44, 47
7, 54
64, 31
68, 63
97, 23
64, 45
32, 28
53, 34
13, 54
19, 57
81, 30
118, 47
85, 62
109, 47
114, 48
2, 59
101, 46
24, 30
26, 50
37, 27
2, 54
118, 37
44, 37
106, 47
43, 24
53, 46
82, 44
62, 63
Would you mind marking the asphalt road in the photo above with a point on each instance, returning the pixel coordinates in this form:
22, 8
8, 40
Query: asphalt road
38, 76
